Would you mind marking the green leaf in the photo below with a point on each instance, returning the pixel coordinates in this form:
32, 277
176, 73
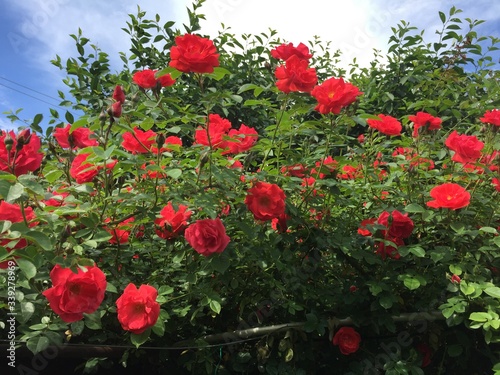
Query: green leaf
220, 263
488, 230
27, 268
174, 173
93, 321
15, 192
442, 16
414, 208
219, 73
480, 317
111, 288
493, 291
69, 117
455, 350
140, 339
37, 344
448, 312
215, 306
41, 239
28, 181
412, 283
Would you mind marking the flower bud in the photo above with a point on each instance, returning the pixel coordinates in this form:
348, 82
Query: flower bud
24, 137
116, 109
160, 139
8, 141
119, 95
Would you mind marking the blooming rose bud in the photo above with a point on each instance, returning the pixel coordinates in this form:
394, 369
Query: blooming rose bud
119, 95
160, 139
116, 109
455, 279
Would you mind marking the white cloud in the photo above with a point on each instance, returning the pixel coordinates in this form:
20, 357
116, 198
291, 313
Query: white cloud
5, 124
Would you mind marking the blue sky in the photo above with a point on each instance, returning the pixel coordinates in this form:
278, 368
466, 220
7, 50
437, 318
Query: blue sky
32, 32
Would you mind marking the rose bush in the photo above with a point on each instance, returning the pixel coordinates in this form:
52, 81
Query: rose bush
249, 216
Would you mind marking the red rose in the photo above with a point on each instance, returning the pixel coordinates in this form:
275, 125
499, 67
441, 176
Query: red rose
137, 309
328, 168
295, 75
266, 201
285, 51
241, 140
333, 95
172, 223
350, 172
216, 128
491, 117
387, 250
73, 294
467, 147
82, 170
121, 231
207, 236
364, 225
192, 53
399, 225
422, 119
22, 155
449, 195
147, 79
139, 142
496, 183
12, 212
118, 94
387, 125
79, 138
295, 170
347, 339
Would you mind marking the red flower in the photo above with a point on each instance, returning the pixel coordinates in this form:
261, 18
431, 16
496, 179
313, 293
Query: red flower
455, 279
74, 294
349, 172
279, 224
78, 138
347, 339
328, 168
387, 125
84, 171
241, 140
118, 94
295, 170
467, 147
426, 353
139, 142
116, 109
285, 51
496, 183
172, 223
364, 225
449, 195
399, 225
424, 119
334, 94
137, 309
491, 117
386, 250
12, 212
147, 79
266, 201
295, 75
121, 232
22, 155
207, 236
216, 128
192, 53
